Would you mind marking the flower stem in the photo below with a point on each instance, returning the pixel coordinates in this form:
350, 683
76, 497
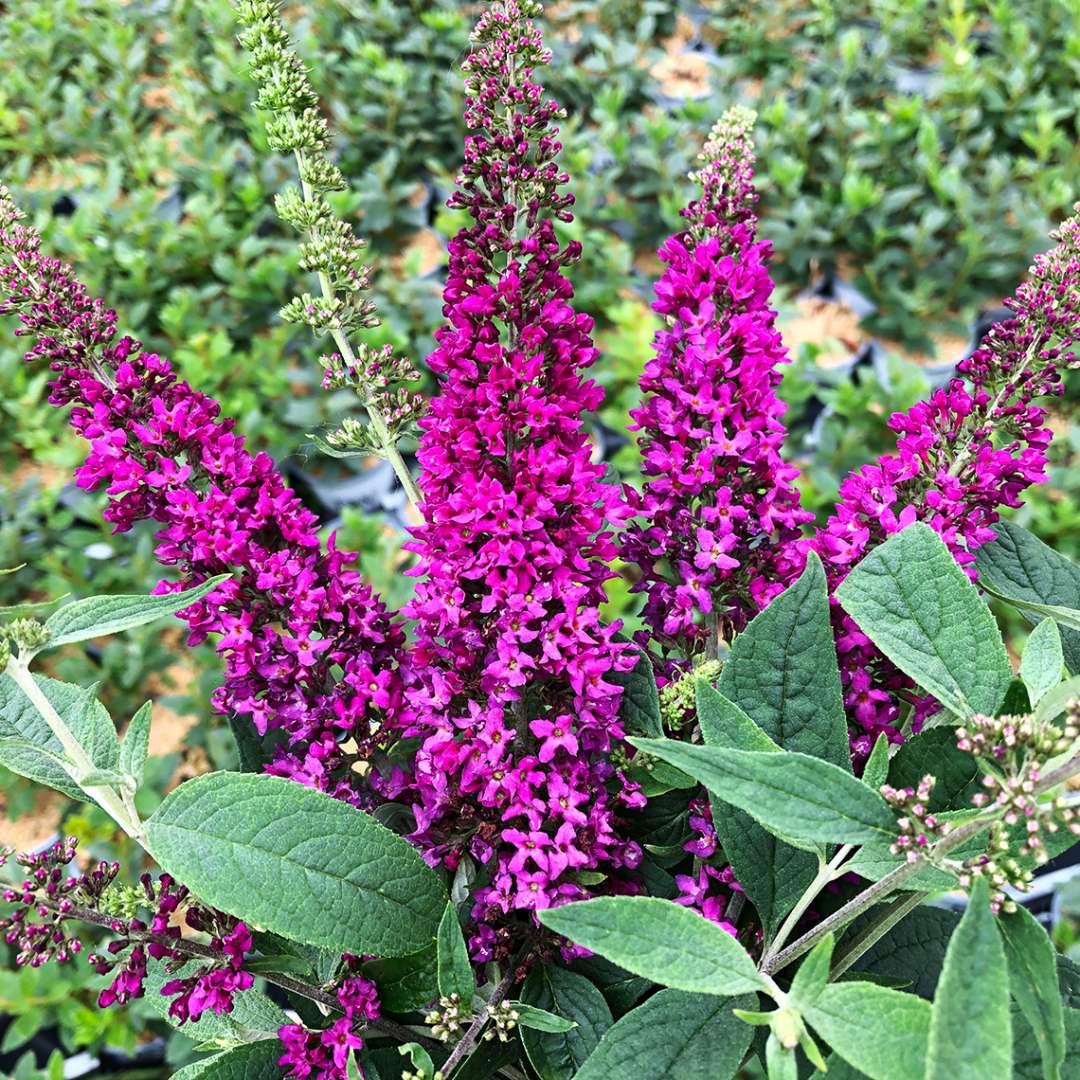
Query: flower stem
825, 874
477, 1026
895, 878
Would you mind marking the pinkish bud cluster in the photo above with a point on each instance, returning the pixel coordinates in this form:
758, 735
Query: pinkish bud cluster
35, 928
918, 827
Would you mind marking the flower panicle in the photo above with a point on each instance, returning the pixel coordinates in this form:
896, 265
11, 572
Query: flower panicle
719, 503
969, 450
330, 250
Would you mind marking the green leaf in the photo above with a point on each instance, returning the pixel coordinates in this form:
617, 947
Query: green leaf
251, 1061
297, 863
783, 673
956, 774
621, 990
406, 983
881, 1032
1020, 567
912, 951
1033, 980
658, 940
802, 799
1043, 660
134, 745
352, 1070
723, 723
96, 616
919, 608
1056, 701
781, 1062
455, 971
970, 1029
639, 707
28, 746
529, 1016
876, 769
254, 1016
673, 1036
813, 974
559, 1055
1028, 1063
773, 874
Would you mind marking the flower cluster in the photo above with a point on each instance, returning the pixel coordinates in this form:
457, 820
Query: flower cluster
292, 612
511, 662
331, 250
918, 827
325, 1055
719, 506
48, 893
969, 450
210, 987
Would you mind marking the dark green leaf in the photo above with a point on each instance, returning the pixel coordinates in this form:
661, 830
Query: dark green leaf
1028, 1062
639, 707
912, 951
881, 1032
783, 674
934, 752
455, 971
673, 1036
970, 1029
97, 616
1034, 983
1019, 566
620, 988
920, 609
559, 1055
297, 863
658, 940
802, 799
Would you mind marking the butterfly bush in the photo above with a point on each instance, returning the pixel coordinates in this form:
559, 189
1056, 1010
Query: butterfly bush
498, 712
512, 662
719, 509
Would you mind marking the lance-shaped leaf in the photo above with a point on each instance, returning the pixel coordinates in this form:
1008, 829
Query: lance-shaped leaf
454, 970
773, 874
557, 1055
674, 1036
783, 673
881, 1032
28, 746
1043, 660
136, 742
297, 863
250, 1061
919, 608
802, 799
970, 1028
1021, 569
658, 940
1033, 979
96, 616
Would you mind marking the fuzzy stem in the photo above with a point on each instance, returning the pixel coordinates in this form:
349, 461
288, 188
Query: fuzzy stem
898, 910
477, 1026
893, 880
80, 762
378, 422
825, 874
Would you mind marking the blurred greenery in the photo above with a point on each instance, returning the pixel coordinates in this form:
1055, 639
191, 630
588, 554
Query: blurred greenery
918, 148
